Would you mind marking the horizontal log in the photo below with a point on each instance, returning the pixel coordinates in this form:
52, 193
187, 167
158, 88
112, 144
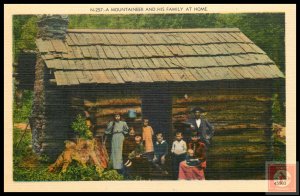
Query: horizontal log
123, 111
242, 149
250, 106
220, 98
113, 102
238, 139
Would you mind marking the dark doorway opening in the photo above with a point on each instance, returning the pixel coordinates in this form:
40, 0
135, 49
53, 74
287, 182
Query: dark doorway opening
157, 107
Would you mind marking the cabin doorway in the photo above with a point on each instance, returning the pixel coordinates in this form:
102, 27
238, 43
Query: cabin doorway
157, 107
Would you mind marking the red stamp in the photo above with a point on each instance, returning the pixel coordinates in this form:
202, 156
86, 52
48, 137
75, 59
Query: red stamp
281, 177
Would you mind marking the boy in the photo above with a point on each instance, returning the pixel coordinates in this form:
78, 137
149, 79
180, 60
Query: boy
179, 153
160, 152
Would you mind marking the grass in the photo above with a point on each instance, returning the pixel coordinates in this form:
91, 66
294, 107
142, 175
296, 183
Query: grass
27, 166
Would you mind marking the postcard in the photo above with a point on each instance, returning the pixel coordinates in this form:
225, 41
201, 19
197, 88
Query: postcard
185, 97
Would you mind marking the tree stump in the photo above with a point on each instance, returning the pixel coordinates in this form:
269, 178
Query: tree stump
83, 151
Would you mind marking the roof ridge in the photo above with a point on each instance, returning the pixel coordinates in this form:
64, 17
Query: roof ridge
170, 30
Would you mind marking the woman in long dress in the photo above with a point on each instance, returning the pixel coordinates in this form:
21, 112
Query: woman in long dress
118, 129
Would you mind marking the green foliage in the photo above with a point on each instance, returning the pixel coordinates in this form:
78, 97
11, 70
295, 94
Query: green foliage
277, 113
21, 148
27, 166
21, 112
24, 33
80, 128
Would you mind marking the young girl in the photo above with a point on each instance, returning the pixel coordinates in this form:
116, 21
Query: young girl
147, 138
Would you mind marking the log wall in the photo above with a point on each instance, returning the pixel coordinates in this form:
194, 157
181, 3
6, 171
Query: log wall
241, 115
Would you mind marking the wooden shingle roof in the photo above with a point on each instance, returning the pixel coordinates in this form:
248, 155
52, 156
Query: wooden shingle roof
167, 55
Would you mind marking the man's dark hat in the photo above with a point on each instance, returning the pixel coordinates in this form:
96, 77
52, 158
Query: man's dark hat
201, 110
194, 133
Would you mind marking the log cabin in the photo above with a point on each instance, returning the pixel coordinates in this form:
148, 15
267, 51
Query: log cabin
160, 74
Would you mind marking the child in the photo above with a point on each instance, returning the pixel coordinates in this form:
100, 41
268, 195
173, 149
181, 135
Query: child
137, 152
129, 144
179, 153
147, 138
191, 160
160, 152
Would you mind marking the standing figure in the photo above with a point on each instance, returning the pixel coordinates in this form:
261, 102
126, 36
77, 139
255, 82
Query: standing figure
179, 153
147, 138
118, 129
201, 126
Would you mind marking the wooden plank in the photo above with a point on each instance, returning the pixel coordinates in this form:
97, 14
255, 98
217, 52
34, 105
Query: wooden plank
80, 38
79, 65
179, 39
42, 45
115, 51
85, 51
152, 51
138, 75
111, 77
87, 64
121, 40
81, 78
152, 75
101, 53
74, 38
187, 50
142, 63
72, 65
236, 74
93, 51
258, 72
186, 75
175, 74
102, 77
169, 62
108, 52
90, 77
276, 71
160, 75
129, 63
186, 39
77, 52
156, 63
150, 63
205, 38
124, 75
244, 37
123, 51
165, 50
118, 77
122, 63
138, 52
89, 38
146, 76
144, 40
257, 49
111, 64
113, 40
192, 38
47, 56
247, 48
104, 39
96, 77
60, 78
64, 64
72, 78
145, 51
265, 71
198, 38
94, 64
131, 76
238, 38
